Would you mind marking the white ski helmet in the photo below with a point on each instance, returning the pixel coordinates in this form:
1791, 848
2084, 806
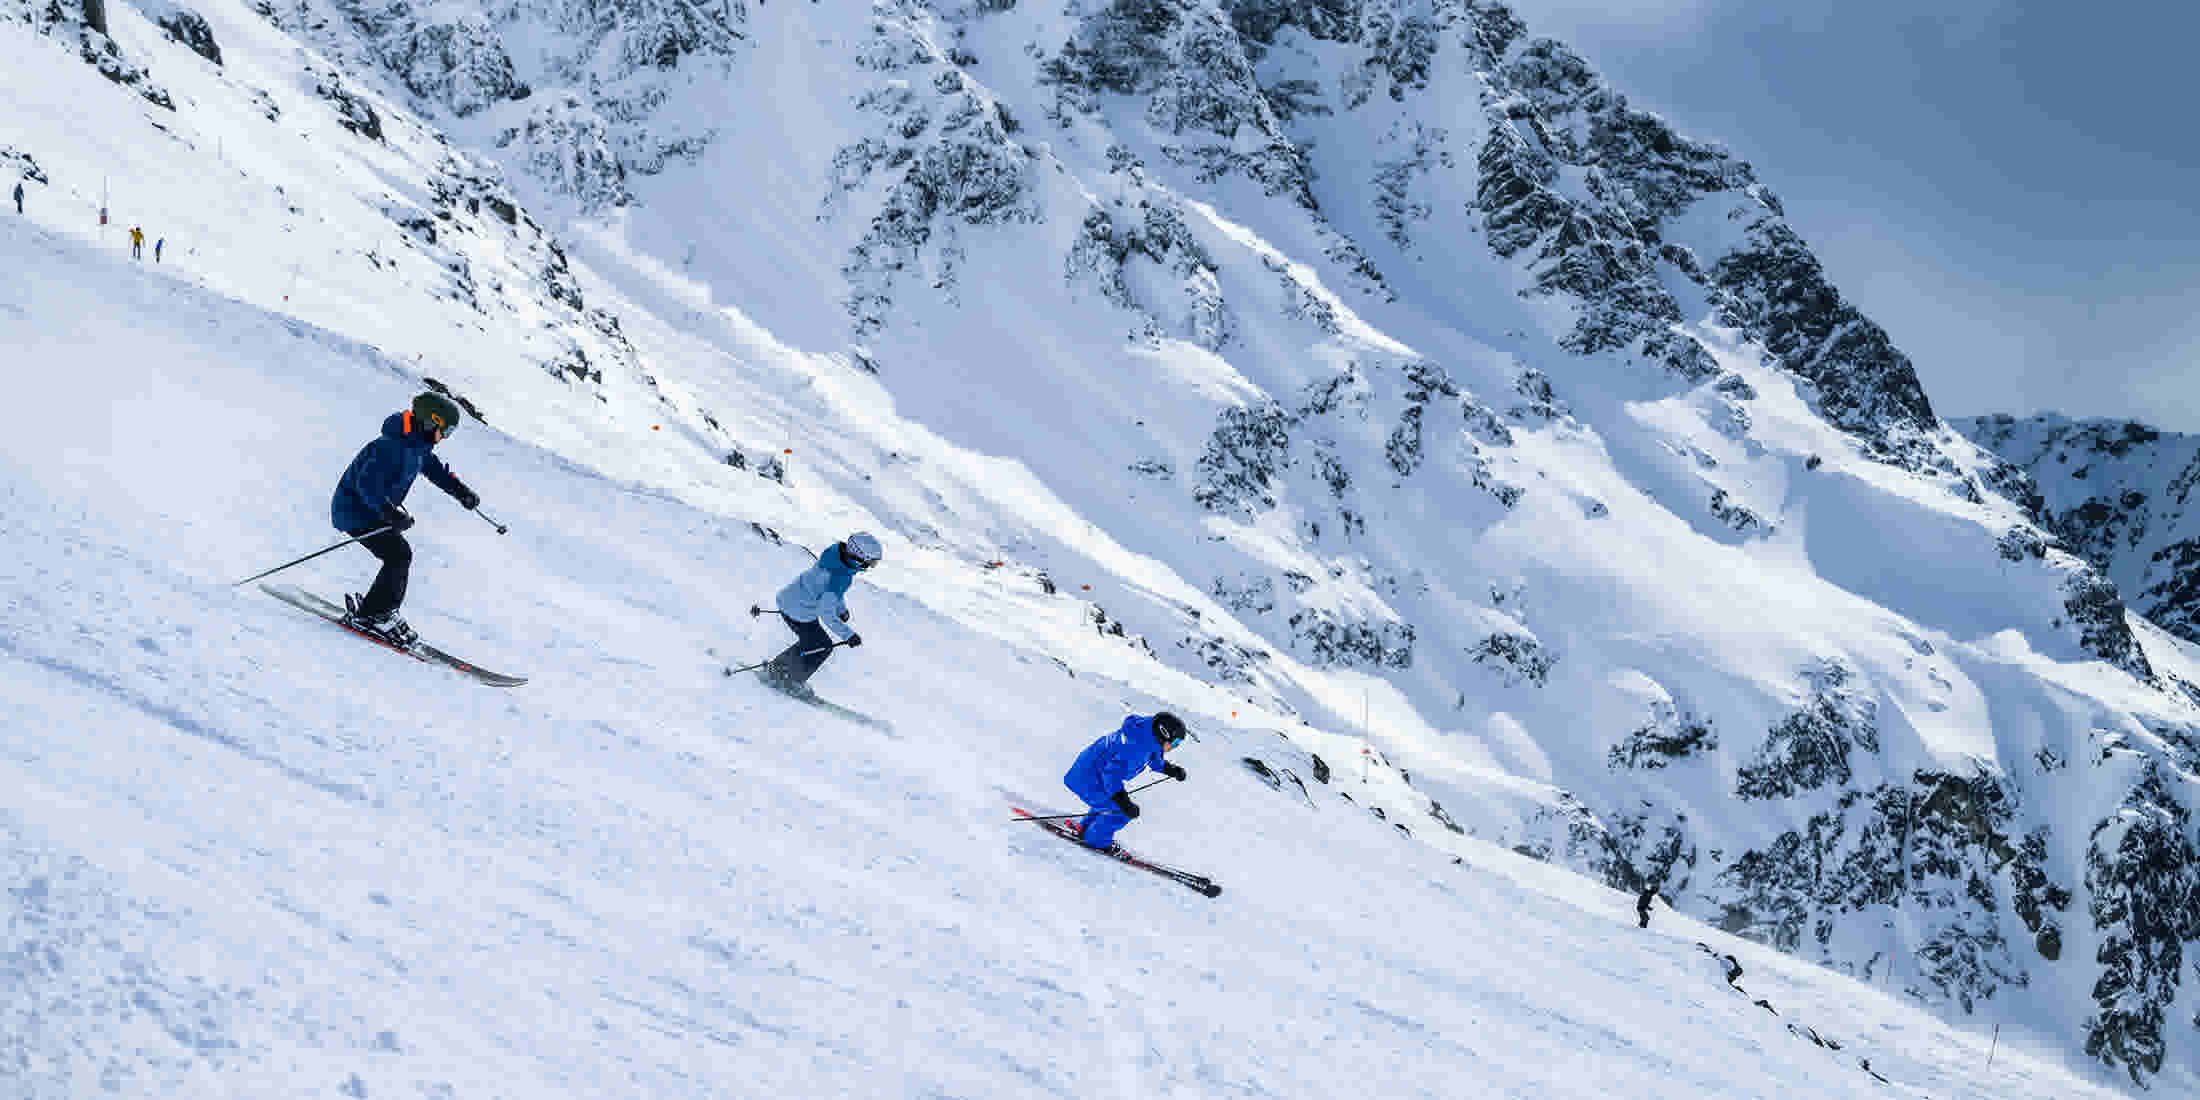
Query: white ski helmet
864, 549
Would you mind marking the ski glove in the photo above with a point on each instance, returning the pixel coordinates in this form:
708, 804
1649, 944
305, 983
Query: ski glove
397, 519
853, 641
1123, 802
843, 614
1174, 772
467, 498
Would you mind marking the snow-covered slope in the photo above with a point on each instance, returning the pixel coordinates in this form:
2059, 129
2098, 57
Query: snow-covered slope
248, 855
1340, 370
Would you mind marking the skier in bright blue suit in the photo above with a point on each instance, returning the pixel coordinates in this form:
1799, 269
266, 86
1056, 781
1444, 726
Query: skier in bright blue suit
1105, 765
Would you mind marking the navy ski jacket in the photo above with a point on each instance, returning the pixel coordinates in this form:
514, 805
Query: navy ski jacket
1106, 764
384, 471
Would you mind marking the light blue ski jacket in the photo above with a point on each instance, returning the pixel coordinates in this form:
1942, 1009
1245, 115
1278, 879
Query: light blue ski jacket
815, 596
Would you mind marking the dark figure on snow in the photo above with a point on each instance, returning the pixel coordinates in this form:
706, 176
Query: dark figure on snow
371, 497
814, 604
137, 243
1642, 904
157, 246
1105, 765
19, 196
1733, 968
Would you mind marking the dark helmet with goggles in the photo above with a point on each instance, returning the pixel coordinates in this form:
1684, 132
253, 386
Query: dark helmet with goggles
437, 413
1168, 729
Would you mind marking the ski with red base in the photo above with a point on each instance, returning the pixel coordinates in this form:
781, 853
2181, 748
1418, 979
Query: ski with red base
1067, 830
418, 651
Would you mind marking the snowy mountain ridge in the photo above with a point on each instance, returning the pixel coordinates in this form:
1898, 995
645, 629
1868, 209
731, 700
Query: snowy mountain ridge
1372, 361
2117, 492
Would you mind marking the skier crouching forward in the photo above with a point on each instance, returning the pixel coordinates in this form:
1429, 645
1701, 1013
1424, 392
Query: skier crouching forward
813, 604
1105, 765
371, 494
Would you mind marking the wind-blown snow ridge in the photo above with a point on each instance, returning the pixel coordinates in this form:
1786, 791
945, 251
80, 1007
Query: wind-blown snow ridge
1340, 368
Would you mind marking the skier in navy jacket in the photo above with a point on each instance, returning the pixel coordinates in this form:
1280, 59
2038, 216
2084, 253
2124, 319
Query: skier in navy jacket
371, 495
813, 603
1105, 765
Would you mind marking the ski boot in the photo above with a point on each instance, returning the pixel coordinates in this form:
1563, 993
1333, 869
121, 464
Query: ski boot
386, 627
779, 682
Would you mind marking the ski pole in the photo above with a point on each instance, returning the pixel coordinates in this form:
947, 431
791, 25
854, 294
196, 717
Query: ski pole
1102, 813
485, 519
1080, 813
768, 660
754, 610
311, 556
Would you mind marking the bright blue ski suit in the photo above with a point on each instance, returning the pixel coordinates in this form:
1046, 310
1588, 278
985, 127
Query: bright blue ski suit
1102, 769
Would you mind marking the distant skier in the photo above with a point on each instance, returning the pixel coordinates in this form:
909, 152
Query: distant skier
1642, 904
137, 243
1105, 765
157, 246
371, 494
19, 197
813, 604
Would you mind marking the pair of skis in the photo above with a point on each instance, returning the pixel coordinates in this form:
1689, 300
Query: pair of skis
419, 651
1068, 831
805, 695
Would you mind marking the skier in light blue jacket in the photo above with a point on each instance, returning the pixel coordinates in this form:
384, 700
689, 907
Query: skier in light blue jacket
1105, 765
814, 604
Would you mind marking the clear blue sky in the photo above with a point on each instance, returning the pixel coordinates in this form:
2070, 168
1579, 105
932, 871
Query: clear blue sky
2011, 189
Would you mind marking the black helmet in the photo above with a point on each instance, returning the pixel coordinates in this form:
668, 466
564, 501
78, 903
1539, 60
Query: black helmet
1168, 729
437, 412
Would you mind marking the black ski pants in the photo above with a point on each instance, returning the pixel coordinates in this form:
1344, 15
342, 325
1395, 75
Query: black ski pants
796, 664
396, 555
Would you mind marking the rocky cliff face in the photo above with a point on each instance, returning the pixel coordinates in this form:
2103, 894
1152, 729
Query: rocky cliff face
1637, 231
83, 28
587, 79
2118, 494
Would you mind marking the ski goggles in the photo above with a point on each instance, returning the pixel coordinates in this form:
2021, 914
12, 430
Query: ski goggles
431, 422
